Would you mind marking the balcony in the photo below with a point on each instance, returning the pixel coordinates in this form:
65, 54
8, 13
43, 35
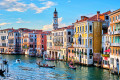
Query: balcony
78, 45
115, 44
105, 55
117, 32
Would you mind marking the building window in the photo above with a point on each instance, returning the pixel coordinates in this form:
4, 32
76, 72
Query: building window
82, 41
42, 41
90, 28
3, 37
83, 28
31, 40
116, 17
75, 29
69, 39
78, 29
42, 36
25, 40
72, 51
31, 46
90, 42
90, 57
50, 38
119, 52
86, 29
42, 46
116, 51
110, 19
113, 51
113, 18
119, 17
69, 33
105, 62
4, 44
69, 50
106, 17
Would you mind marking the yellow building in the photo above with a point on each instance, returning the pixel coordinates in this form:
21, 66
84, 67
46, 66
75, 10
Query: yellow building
88, 37
114, 33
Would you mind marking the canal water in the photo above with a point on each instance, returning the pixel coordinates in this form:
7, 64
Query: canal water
28, 70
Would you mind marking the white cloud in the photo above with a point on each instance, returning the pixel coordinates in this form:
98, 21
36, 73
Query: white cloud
50, 27
47, 4
1, 24
15, 5
41, 0
1, 14
21, 21
69, 1
112, 10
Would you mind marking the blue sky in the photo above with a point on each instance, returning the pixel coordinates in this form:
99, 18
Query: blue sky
38, 14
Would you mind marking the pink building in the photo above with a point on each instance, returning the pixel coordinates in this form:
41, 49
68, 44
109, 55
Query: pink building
42, 42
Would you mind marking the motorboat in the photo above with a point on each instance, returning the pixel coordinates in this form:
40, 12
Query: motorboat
18, 61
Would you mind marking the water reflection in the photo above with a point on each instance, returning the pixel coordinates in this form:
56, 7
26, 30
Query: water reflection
28, 69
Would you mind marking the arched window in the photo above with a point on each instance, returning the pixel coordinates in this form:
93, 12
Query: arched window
116, 51
79, 39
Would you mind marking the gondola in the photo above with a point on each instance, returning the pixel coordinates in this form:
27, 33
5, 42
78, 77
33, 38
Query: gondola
45, 66
71, 66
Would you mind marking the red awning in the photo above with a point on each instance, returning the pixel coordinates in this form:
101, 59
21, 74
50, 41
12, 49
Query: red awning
107, 50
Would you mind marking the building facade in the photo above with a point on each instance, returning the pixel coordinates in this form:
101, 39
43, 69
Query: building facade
42, 43
114, 32
29, 43
105, 51
4, 40
88, 37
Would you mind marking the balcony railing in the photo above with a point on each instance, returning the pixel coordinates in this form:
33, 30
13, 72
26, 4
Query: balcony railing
117, 32
78, 45
115, 44
105, 55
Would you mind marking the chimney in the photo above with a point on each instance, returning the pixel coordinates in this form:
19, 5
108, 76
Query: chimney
98, 14
77, 20
82, 17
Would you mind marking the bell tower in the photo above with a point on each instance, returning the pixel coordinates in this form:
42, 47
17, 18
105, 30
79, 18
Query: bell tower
55, 20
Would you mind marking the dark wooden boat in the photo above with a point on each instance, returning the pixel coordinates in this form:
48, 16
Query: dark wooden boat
1, 72
71, 66
45, 66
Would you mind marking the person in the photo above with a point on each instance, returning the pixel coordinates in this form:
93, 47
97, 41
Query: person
43, 64
47, 65
39, 62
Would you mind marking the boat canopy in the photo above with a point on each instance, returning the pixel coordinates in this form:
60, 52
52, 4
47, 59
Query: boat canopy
107, 50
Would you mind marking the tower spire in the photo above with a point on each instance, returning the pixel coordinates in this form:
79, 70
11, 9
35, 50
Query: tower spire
55, 20
55, 10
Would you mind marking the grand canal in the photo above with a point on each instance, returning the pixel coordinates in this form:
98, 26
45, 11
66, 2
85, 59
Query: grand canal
28, 70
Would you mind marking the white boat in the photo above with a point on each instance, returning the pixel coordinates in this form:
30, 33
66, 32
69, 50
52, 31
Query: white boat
18, 61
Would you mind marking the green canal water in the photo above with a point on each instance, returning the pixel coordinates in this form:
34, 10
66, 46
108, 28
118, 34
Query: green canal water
28, 70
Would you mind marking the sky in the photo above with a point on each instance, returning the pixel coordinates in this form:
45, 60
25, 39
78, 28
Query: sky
38, 14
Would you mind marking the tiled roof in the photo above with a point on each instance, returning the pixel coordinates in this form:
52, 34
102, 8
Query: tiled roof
68, 27
94, 18
7, 29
